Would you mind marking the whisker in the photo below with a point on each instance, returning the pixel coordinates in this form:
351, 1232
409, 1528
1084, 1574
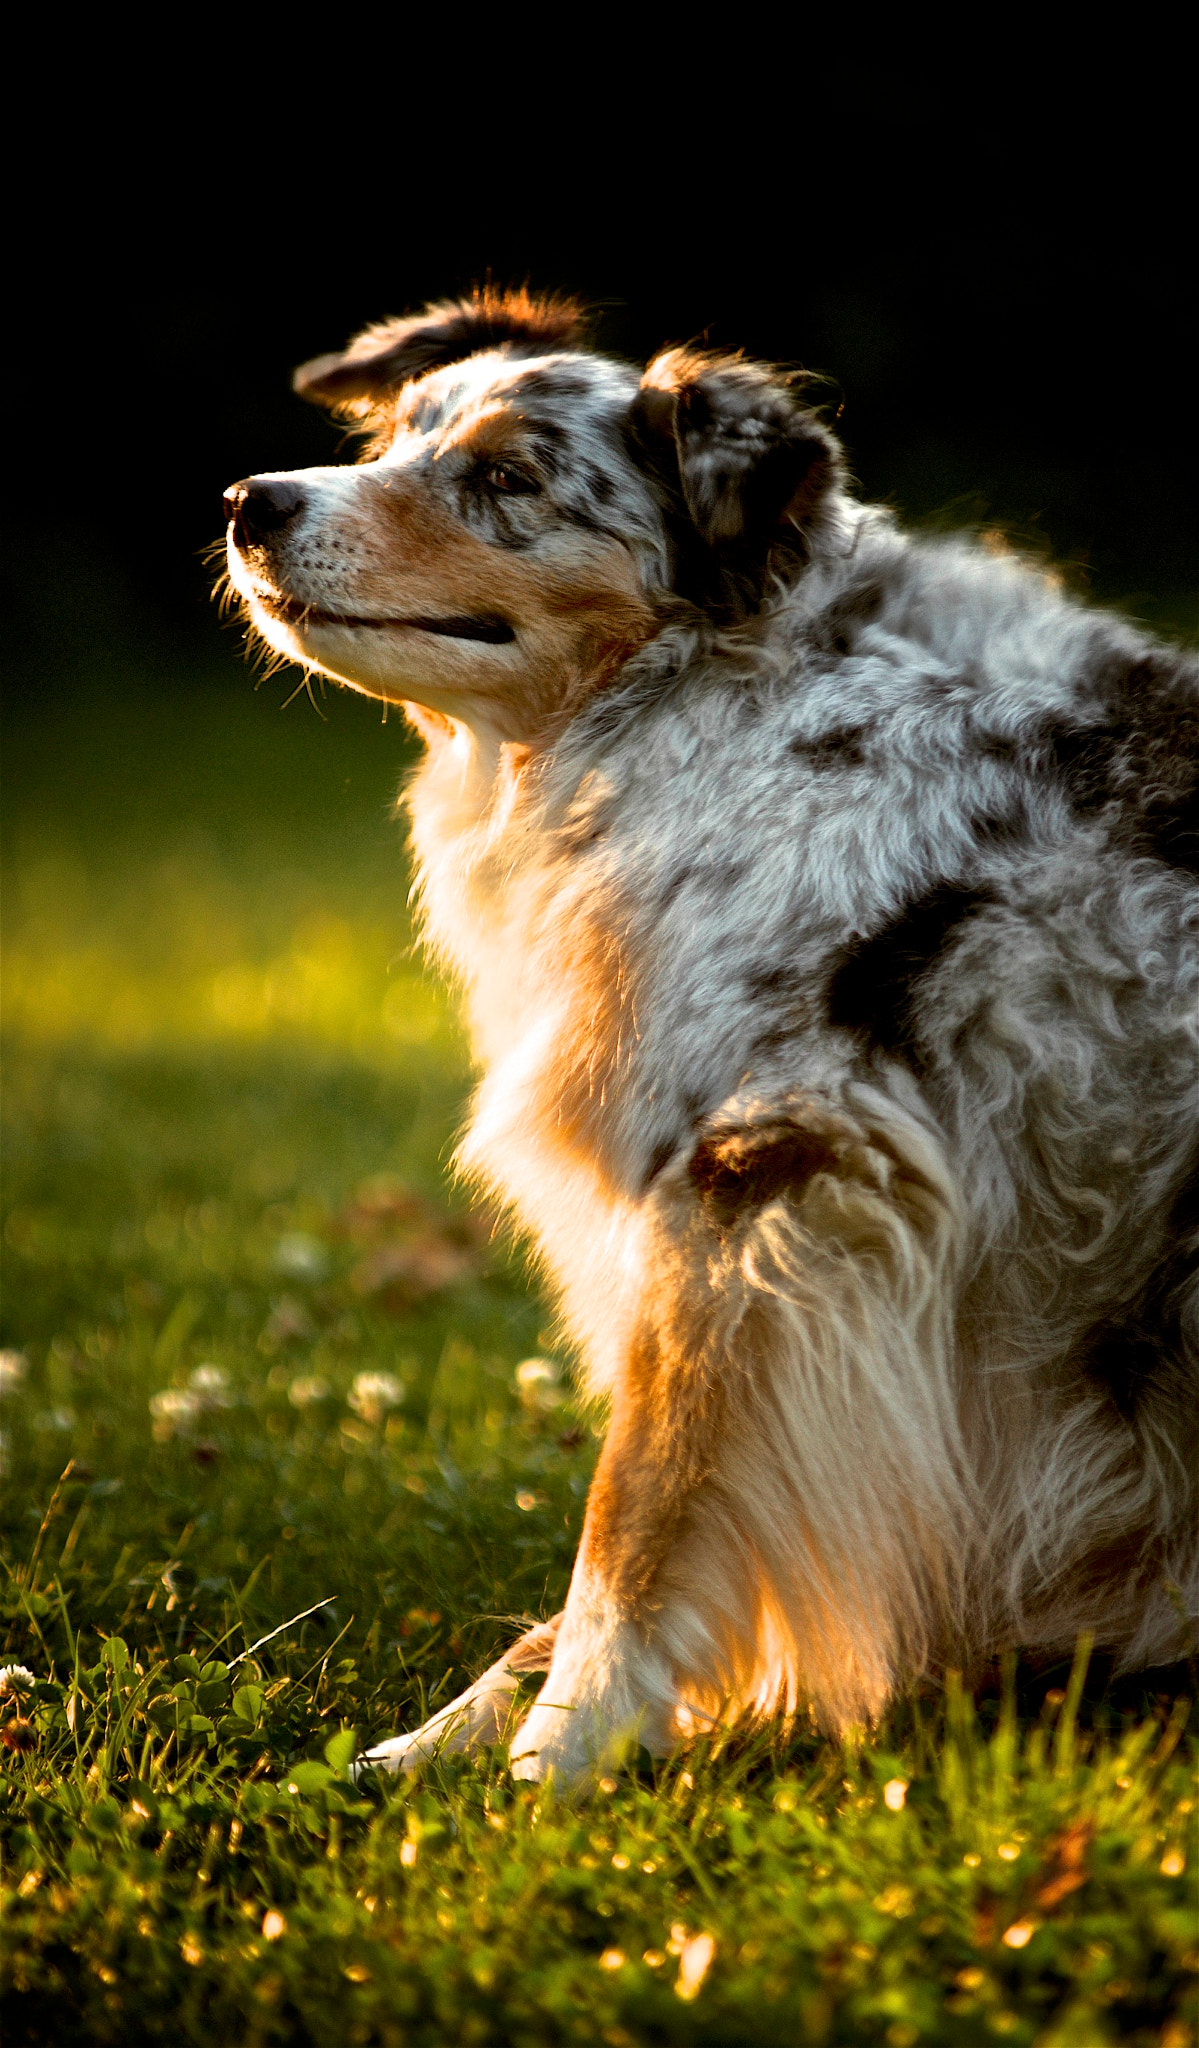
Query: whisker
308, 673
300, 686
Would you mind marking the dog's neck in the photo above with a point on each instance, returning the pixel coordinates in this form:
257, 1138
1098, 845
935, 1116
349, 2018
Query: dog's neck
465, 804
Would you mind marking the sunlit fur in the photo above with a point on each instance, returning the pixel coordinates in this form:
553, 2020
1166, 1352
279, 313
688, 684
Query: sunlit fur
824, 903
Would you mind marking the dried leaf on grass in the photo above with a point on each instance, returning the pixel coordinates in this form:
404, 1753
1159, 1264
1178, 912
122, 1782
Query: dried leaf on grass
403, 1274
1067, 1865
410, 1249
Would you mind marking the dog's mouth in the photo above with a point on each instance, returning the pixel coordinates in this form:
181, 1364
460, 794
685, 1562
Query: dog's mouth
485, 626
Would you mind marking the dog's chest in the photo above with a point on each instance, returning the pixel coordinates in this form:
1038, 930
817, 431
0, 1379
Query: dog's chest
678, 923
659, 924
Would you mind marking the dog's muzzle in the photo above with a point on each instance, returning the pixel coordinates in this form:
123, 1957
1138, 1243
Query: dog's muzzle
259, 506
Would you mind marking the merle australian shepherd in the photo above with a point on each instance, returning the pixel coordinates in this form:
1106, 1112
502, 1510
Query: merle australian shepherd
825, 900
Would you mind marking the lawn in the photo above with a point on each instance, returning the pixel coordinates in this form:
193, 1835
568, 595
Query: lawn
260, 1356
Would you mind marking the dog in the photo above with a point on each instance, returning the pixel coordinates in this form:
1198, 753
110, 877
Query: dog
825, 900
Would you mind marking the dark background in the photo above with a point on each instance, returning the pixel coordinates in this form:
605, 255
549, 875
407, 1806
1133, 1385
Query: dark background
1028, 363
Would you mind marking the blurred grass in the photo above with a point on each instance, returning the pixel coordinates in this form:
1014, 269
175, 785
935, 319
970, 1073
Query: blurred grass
212, 870
274, 1355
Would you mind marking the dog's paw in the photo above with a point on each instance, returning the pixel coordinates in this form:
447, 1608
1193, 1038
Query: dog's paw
405, 1753
607, 1695
398, 1754
577, 1746
481, 1715
475, 1718
565, 1735
550, 1744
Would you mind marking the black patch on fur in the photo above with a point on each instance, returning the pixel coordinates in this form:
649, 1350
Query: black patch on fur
742, 1170
716, 878
832, 632
1137, 764
768, 1044
841, 748
740, 468
995, 747
691, 1108
660, 1159
1002, 829
770, 979
1146, 1346
577, 515
555, 382
787, 997
675, 882
719, 581
873, 991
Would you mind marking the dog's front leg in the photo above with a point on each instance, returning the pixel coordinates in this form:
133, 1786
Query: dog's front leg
779, 1512
479, 1715
612, 1679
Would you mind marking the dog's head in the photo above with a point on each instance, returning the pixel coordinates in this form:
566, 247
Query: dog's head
526, 510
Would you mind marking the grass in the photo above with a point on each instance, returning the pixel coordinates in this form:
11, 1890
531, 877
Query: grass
230, 1093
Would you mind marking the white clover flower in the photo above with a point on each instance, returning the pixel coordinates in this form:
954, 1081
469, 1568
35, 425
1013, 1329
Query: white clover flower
309, 1387
695, 1960
174, 1410
15, 1681
373, 1393
210, 1386
301, 1257
537, 1383
55, 1418
13, 1367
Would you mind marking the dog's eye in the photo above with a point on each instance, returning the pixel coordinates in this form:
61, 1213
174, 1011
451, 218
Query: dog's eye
503, 476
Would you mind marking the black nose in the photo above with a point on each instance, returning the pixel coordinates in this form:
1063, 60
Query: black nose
259, 506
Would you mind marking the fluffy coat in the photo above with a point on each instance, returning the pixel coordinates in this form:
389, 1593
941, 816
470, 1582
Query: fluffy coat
825, 902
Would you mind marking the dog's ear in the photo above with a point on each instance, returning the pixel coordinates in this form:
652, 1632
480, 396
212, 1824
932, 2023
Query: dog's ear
745, 462
382, 358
